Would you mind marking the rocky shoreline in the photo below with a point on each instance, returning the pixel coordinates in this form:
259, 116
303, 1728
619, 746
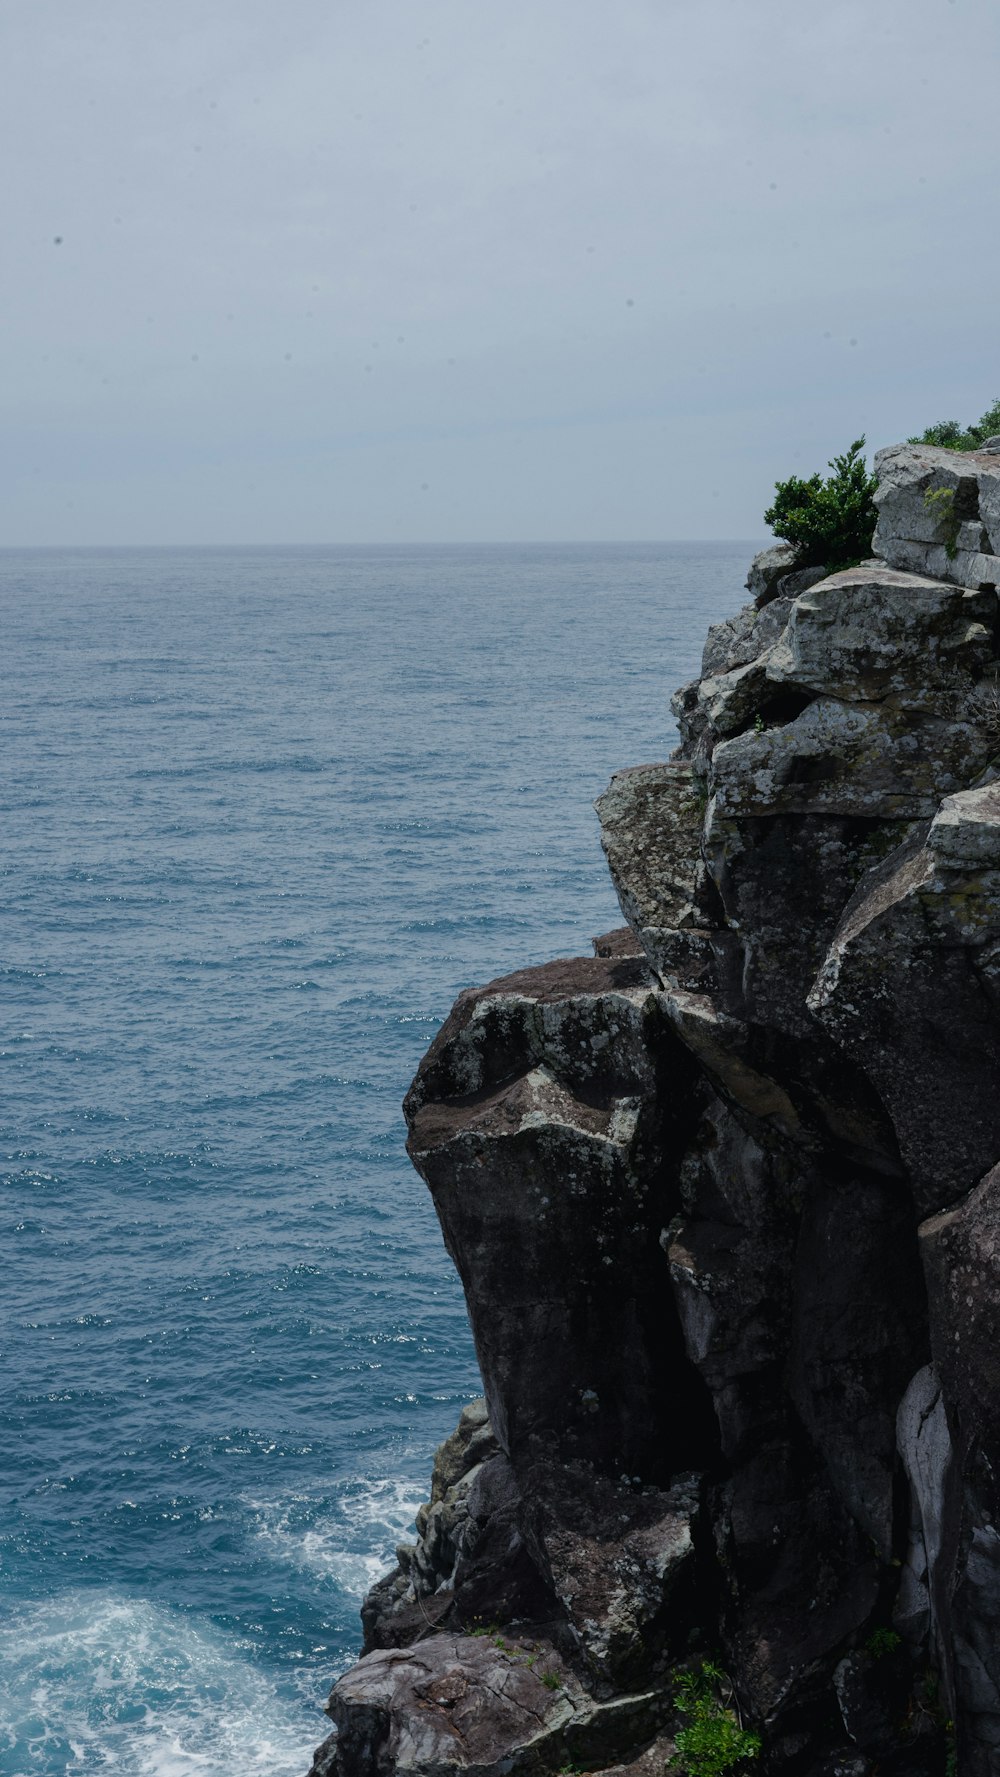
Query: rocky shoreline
725, 1201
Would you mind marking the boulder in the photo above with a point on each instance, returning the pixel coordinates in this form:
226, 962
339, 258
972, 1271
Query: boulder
545, 1120
624, 1569
783, 882
733, 701
869, 633
731, 1252
496, 1705
939, 512
874, 760
738, 640
779, 1274
651, 821
767, 568
800, 1583
858, 1330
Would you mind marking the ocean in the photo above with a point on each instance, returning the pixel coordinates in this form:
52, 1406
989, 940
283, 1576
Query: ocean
265, 812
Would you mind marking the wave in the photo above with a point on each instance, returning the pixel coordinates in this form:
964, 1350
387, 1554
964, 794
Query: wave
95, 1681
350, 1540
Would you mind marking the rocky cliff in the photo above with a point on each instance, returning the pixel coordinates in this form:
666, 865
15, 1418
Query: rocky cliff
725, 1200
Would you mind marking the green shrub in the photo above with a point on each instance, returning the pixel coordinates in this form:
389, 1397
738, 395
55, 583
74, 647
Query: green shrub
712, 1741
951, 436
829, 521
882, 1641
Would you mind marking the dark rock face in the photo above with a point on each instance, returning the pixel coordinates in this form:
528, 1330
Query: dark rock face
961, 1251
725, 1200
551, 1181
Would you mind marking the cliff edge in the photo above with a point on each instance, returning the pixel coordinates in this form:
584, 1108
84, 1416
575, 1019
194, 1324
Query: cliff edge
725, 1201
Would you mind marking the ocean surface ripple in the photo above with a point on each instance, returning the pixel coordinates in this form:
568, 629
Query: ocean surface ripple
265, 812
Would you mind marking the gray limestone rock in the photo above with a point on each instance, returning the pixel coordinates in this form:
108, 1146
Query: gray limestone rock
926, 497
767, 568
651, 821
738, 640
869, 633
973, 568
876, 760
734, 701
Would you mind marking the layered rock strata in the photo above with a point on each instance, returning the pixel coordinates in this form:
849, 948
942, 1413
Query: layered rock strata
725, 1200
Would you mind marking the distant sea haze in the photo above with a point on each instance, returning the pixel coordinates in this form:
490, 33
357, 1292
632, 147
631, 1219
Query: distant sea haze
265, 813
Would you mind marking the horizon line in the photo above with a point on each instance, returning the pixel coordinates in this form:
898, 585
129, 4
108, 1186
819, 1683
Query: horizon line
409, 543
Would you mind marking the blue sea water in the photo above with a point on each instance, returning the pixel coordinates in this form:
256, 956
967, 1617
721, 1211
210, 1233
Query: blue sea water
265, 811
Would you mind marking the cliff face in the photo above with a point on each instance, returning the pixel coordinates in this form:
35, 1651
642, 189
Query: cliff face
725, 1202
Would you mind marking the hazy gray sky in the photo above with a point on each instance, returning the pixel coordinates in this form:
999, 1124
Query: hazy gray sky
350, 270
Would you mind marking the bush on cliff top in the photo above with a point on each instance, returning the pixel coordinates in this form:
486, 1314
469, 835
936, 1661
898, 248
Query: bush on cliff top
830, 521
951, 436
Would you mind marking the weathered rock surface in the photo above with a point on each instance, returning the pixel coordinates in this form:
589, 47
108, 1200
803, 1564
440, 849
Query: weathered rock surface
651, 832
910, 988
420, 1592
624, 1569
870, 633
491, 1705
541, 1119
725, 1200
940, 509
774, 572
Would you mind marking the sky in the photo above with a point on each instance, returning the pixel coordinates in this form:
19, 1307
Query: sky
321, 271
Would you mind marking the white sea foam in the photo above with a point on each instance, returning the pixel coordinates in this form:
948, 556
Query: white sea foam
350, 1539
93, 1681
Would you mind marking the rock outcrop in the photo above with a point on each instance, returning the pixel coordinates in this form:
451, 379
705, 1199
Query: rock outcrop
725, 1201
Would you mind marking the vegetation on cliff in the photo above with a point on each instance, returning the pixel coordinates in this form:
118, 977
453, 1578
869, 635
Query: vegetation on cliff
829, 520
949, 435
